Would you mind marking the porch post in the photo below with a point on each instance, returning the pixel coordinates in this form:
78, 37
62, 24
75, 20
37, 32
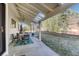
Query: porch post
40, 31
32, 27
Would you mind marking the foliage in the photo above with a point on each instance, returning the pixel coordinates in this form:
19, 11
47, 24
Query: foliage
58, 23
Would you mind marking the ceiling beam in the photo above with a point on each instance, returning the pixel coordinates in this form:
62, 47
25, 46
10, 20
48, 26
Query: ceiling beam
26, 9
26, 16
59, 9
40, 7
31, 6
44, 5
23, 15
35, 9
27, 13
12, 9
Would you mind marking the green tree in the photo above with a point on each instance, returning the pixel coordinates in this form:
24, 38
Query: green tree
59, 23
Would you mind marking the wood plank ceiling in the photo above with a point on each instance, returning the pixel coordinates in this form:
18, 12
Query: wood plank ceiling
28, 11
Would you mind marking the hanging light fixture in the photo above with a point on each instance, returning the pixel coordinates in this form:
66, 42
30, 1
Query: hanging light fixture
39, 17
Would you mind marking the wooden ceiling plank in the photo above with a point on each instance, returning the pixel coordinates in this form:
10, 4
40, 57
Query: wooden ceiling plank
34, 7
13, 10
26, 9
27, 13
27, 17
40, 7
44, 5
59, 9
29, 6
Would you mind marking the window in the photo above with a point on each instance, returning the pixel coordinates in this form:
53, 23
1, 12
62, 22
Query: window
13, 22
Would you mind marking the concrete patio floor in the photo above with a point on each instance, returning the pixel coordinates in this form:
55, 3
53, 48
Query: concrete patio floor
38, 48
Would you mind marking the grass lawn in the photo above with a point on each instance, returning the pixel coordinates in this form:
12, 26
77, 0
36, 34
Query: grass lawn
65, 46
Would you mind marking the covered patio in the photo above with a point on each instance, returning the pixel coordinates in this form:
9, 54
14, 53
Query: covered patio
29, 15
38, 48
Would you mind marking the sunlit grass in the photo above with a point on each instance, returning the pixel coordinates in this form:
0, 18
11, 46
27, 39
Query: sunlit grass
62, 45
